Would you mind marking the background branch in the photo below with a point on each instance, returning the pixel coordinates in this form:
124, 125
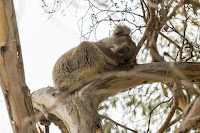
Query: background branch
175, 89
117, 124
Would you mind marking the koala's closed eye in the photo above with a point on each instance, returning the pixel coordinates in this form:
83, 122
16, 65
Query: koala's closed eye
123, 50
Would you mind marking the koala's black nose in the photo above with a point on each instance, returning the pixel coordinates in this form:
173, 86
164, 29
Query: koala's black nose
123, 50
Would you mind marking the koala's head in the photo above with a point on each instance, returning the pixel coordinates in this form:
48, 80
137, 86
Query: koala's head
120, 45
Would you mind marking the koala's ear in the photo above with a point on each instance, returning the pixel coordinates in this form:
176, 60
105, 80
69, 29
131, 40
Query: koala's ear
121, 30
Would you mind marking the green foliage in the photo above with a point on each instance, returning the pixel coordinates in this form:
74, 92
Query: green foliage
107, 127
164, 89
109, 103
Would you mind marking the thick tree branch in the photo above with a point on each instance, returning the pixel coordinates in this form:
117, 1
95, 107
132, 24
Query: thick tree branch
148, 73
81, 106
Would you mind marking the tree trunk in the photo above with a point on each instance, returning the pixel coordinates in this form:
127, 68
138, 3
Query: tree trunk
12, 78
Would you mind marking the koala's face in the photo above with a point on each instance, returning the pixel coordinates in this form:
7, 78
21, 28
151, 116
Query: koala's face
119, 46
123, 46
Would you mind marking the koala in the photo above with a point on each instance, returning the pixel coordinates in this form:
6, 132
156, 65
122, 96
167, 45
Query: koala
80, 65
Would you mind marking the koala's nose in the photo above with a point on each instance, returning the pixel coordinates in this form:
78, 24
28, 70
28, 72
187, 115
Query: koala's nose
123, 50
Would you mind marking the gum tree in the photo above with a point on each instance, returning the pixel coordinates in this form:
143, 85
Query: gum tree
165, 31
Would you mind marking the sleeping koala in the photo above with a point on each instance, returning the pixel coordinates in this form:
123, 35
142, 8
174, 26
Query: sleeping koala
81, 64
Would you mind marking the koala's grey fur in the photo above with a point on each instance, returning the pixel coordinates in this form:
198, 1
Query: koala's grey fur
79, 66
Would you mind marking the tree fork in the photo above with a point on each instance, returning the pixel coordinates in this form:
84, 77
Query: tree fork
12, 78
75, 114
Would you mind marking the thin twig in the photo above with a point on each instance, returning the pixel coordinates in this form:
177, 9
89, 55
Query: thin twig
170, 40
105, 117
153, 110
174, 10
143, 11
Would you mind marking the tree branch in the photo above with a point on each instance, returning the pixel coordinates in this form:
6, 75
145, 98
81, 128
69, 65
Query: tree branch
189, 122
153, 110
149, 26
170, 40
105, 117
146, 74
81, 106
185, 112
78, 115
175, 89
174, 10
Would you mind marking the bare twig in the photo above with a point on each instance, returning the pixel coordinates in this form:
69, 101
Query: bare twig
174, 10
183, 36
143, 10
105, 117
110, 14
153, 110
168, 55
170, 40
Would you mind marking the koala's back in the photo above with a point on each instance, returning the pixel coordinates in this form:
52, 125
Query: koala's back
79, 66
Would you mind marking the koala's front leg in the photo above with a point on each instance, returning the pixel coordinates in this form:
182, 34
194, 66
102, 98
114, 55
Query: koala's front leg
86, 54
89, 55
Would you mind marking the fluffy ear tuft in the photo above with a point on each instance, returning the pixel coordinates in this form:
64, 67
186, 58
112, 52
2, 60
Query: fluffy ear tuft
122, 30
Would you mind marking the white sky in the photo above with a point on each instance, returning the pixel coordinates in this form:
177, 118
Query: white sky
43, 41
